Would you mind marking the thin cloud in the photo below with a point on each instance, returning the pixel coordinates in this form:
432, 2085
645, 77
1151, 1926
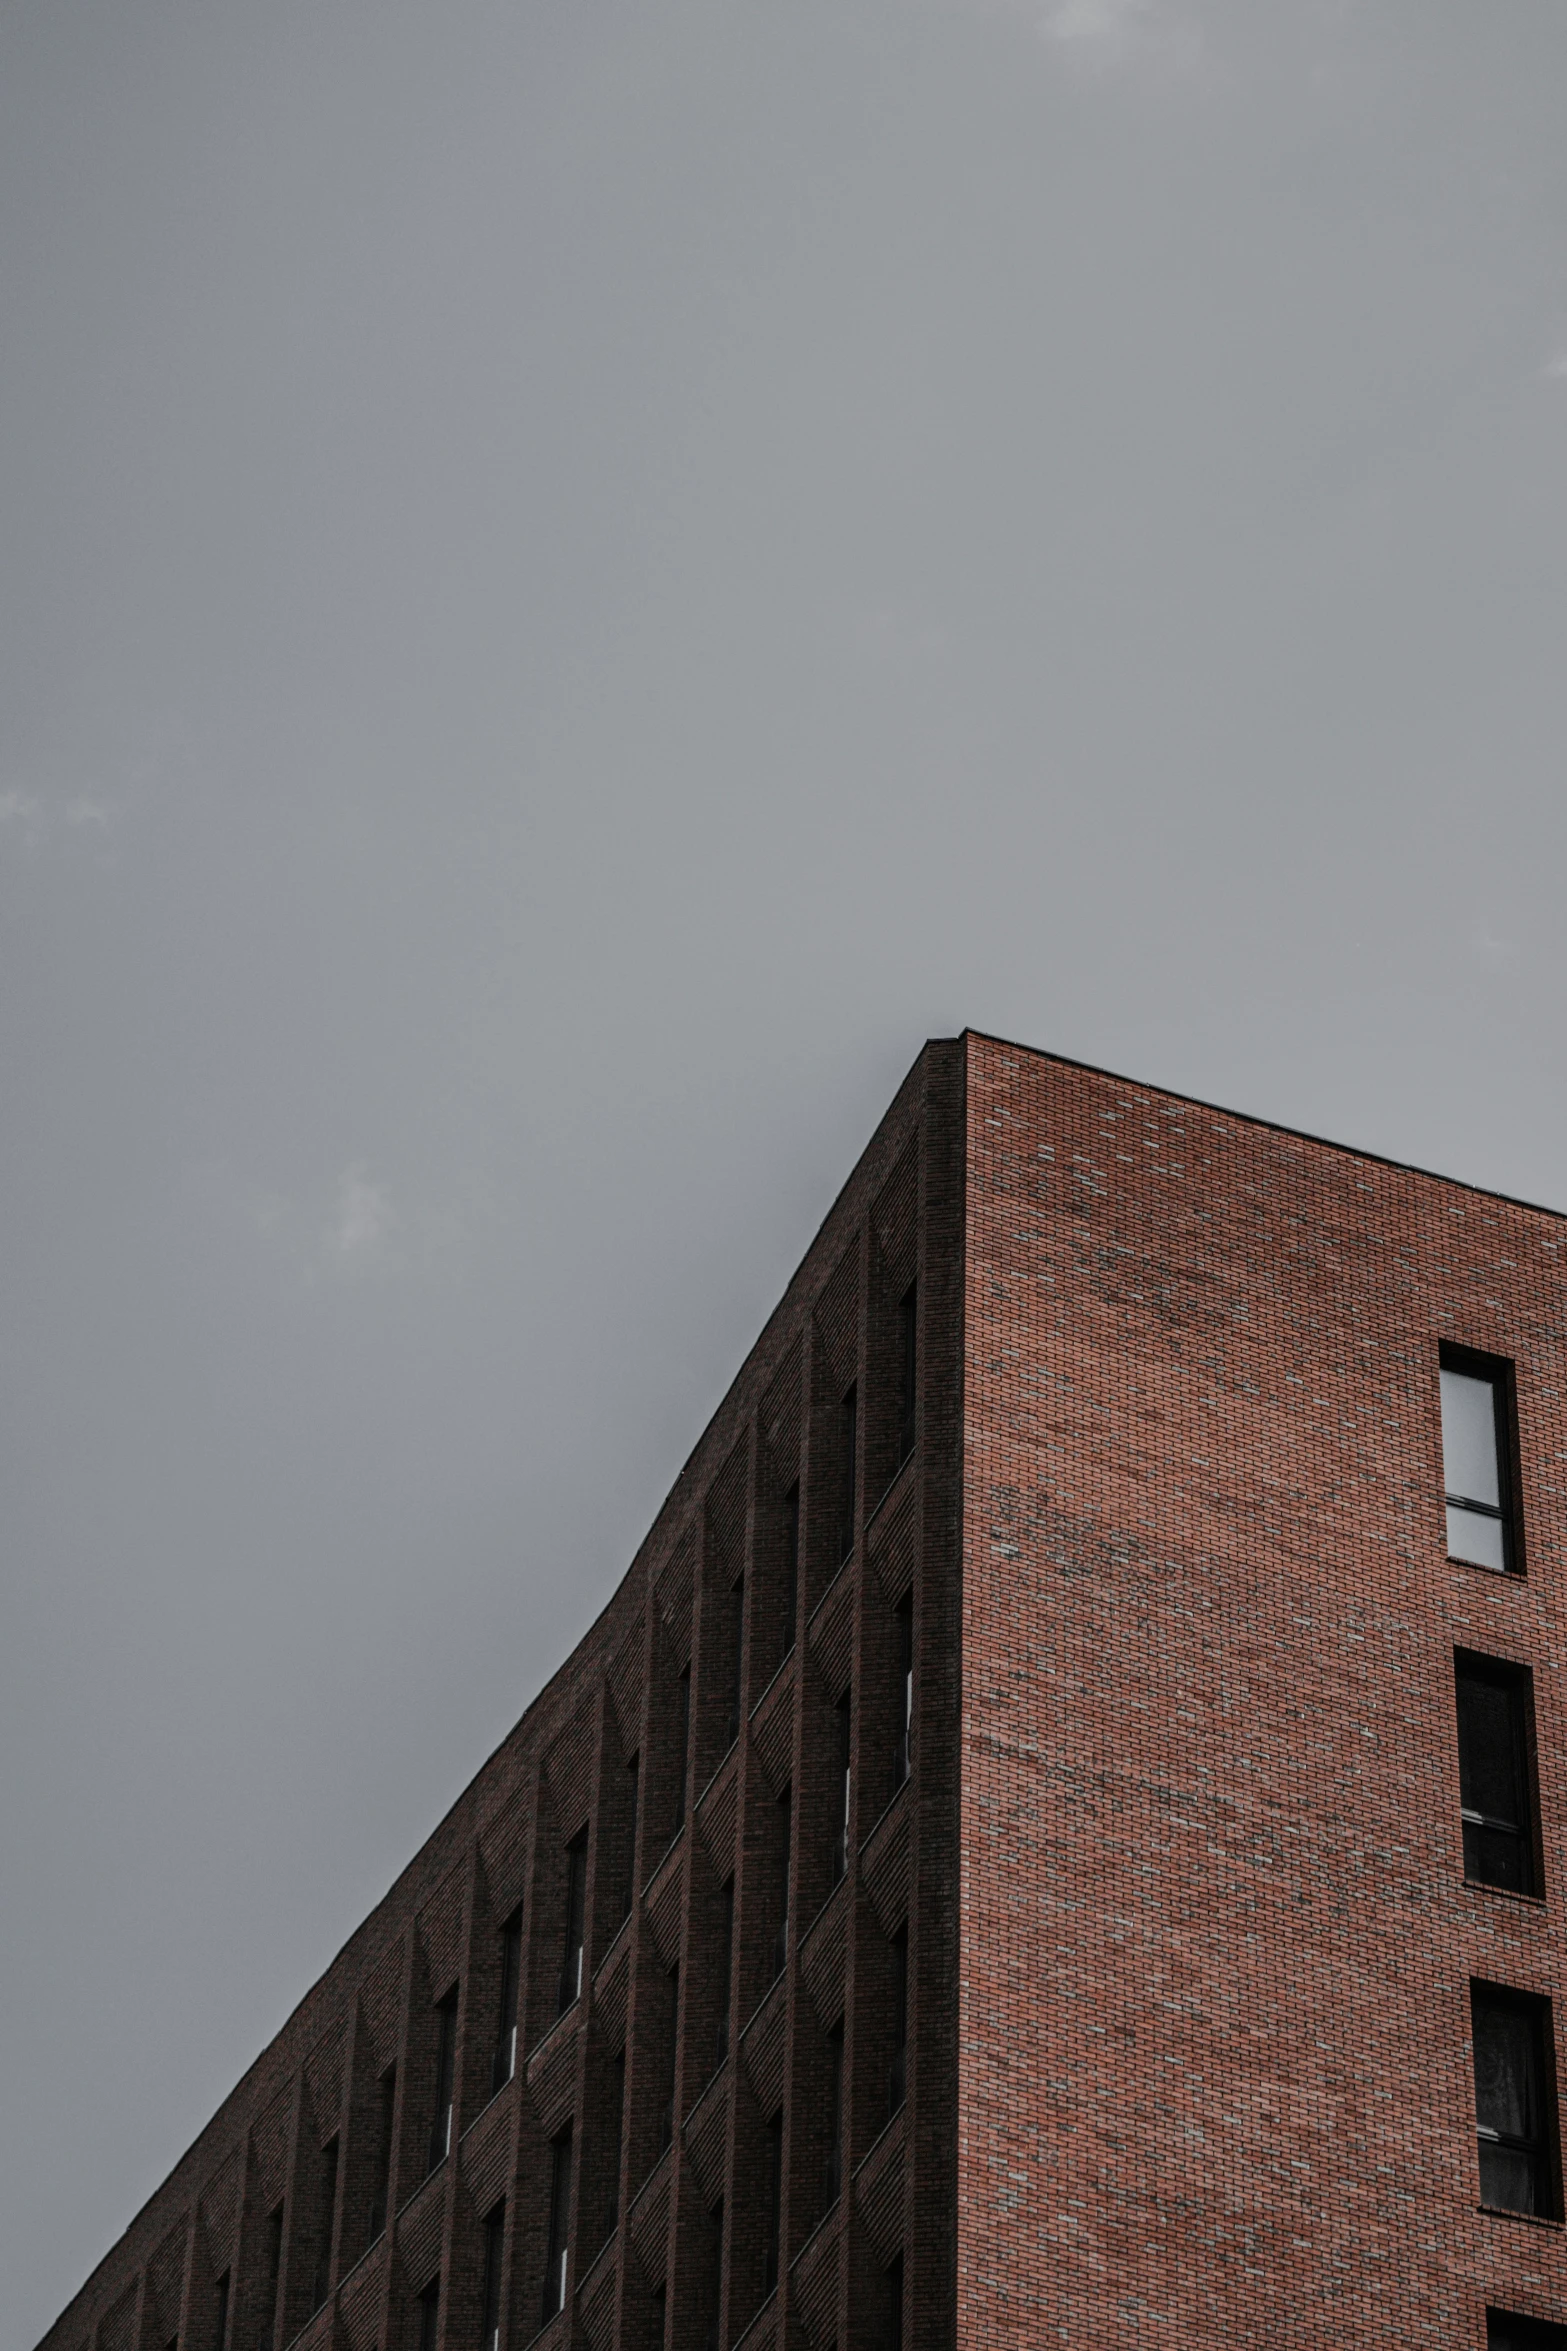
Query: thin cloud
1103, 34
365, 1224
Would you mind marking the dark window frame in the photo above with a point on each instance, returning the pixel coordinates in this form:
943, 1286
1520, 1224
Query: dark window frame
326, 2222
557, 2249
1543, 2149
440, 2145
430, 2315
1510, 2330
683, 1789
772, 2207
848, 1471
908, 1371
898, 2069
832, 2182
1475, 1666
843, 1782
574, 1923
494, 2268
381, 2197
503, 2057
903, 1751
1500, 1373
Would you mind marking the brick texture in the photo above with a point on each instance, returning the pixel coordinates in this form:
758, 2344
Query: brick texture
1177, 1864
1214, 2074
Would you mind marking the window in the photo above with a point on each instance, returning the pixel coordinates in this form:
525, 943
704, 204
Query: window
898, 2074
1514, 2100
445, 2053
848, 1463
715, 2276
904, 1756
791, 1563
220, 2313
736, 1655
628, 1891
557, 2250
503, 2058
908, 1369
429, 2315
576, 1918
726, 1948
843, 1734
683, 1720
326, 2210
785, 1835
666, 2120
619, 2099
274, 2275
772, 2209
1504, 2332
1496, 1775
494, 2247
833, 2182
1476, 1420
383, 2154
892, 2329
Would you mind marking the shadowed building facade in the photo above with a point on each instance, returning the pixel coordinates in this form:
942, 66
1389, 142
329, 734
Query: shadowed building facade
1056, 1838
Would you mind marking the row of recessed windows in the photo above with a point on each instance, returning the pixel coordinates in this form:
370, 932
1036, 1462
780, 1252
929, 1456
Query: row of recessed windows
504, 2053
1513, 2035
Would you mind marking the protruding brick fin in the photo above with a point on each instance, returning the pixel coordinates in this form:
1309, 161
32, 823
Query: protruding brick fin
664, 1901
824, 1957
359, 2305
780, 1419
675, 1587
503, 1853
568, 1766
625, 1672
831, 1632
895, 1219
772, 1730
715, 1817
485, 2153
707, 2134
838, 1318
813, 2282
419, 2231
726, 1512
649, 2220
884, 1866
596, 2301
440, 1929
890, 1543
762, 2046
220, 2208
878, 2190
610, 1989
552, 2073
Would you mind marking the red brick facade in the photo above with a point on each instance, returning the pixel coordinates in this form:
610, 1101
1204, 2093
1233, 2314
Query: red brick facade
1127, 1999
1214, 2082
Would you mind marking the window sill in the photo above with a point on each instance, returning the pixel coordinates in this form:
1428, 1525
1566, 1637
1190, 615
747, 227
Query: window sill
1498, 1575
1530, 2220
1504, 1894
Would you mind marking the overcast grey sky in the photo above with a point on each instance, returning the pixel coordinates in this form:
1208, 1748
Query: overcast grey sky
577, 576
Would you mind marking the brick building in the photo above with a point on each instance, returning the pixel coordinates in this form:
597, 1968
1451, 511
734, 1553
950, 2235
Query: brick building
1056, 1839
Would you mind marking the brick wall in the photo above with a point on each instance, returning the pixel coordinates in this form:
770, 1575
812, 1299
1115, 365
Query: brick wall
1214, 2070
